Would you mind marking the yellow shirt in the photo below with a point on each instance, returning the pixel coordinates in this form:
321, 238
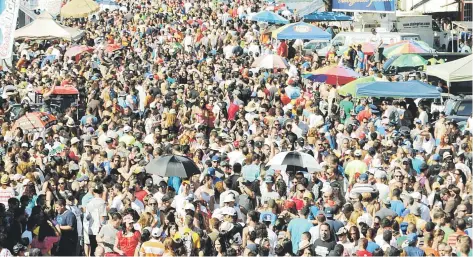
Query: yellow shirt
152, 248
195, 237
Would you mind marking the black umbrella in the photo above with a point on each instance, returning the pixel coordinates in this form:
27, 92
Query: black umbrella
173, 166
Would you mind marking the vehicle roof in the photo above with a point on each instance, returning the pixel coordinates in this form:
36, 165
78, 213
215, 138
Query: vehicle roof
381, 33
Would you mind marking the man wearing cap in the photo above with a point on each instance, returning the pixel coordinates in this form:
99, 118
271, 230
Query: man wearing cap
411, 249
153, 247
227, 184
6, 191
335, 225
269, 193
355, 166
127, 138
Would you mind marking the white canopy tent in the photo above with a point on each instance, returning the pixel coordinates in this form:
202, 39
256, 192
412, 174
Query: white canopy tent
455, 71
45, 28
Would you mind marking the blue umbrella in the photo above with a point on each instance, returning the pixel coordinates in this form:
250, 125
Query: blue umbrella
407, 89
301, 30
269, 17
327, 16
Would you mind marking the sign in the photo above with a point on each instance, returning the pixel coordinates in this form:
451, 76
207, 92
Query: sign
382, 6
414, 25
8, 17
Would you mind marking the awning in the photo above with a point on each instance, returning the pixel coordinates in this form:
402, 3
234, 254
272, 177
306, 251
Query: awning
327, 16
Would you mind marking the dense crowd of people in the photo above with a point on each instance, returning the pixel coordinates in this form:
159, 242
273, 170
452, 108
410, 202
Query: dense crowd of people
393, 180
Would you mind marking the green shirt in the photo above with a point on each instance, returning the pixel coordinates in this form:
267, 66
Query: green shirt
347, 106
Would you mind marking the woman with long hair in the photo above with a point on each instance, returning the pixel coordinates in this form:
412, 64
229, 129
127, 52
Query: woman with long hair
48, 235
168, 247
445, 146
145, 222
127, 239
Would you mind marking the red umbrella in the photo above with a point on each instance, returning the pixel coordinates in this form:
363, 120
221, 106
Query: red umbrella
112, 48
334, 75
35, 121
76, 50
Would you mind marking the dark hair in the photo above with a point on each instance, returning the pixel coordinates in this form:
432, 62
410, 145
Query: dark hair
45, 229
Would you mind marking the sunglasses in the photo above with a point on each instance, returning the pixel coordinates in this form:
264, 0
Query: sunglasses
61, 183
152, 203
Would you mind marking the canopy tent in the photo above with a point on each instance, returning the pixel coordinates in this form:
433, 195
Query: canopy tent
79, 8
269, 17
455, 71
407, 89
45, 27
301, 30
327, 16
350, 88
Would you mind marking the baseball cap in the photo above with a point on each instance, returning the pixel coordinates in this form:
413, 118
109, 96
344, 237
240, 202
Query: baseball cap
229, 211
126, 129
211, 171
215, 158
363, 177
341, 231
417, 121
189, 206
416, 195
83, 178
328, 212
308, 194
24, 145
358, 152
156, 232
411, 238
436, 157
380, 174
269, 179
229, 198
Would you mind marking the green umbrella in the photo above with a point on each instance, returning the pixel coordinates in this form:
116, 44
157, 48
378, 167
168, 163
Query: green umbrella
350, 88
409, 60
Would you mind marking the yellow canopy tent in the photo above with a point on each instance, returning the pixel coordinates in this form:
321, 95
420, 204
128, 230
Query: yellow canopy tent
79, 8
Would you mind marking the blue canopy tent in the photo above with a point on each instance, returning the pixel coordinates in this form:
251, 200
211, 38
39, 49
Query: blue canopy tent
327, 16
301, 30
407, 89
269, 17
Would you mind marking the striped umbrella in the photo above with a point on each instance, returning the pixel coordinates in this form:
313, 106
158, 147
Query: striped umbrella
409, 60
407, 47
350, 88
334, 75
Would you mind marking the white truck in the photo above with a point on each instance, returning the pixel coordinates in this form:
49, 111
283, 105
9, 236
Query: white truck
404, 22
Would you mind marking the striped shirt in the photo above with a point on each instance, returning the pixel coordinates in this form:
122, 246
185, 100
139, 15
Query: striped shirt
5, 194
152, 248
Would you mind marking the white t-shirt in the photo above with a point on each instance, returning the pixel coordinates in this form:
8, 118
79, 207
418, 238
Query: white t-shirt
117, 203
95, 209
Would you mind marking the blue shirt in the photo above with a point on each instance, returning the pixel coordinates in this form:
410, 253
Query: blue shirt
313, 212
416, 163
250, 172
296, 227
372, 246
273, 216
175, 183
397, 206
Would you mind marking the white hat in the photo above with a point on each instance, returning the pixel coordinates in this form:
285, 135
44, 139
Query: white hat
226, 226
24, 145
229, 198
74, 140
25, 182
156, 232
358, 152
340, 127
126, 129
380, 174
327, 189
416, 195
189, 206
29, 88
229, 211
17, 177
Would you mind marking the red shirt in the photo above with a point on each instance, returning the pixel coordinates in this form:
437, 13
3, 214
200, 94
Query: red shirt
362, 253
232, 110
282, 49
140, 195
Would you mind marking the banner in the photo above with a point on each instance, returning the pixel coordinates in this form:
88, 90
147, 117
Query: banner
8, 17
382, 6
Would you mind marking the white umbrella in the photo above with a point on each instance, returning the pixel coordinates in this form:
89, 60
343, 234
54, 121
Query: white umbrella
296, 160
270, 61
